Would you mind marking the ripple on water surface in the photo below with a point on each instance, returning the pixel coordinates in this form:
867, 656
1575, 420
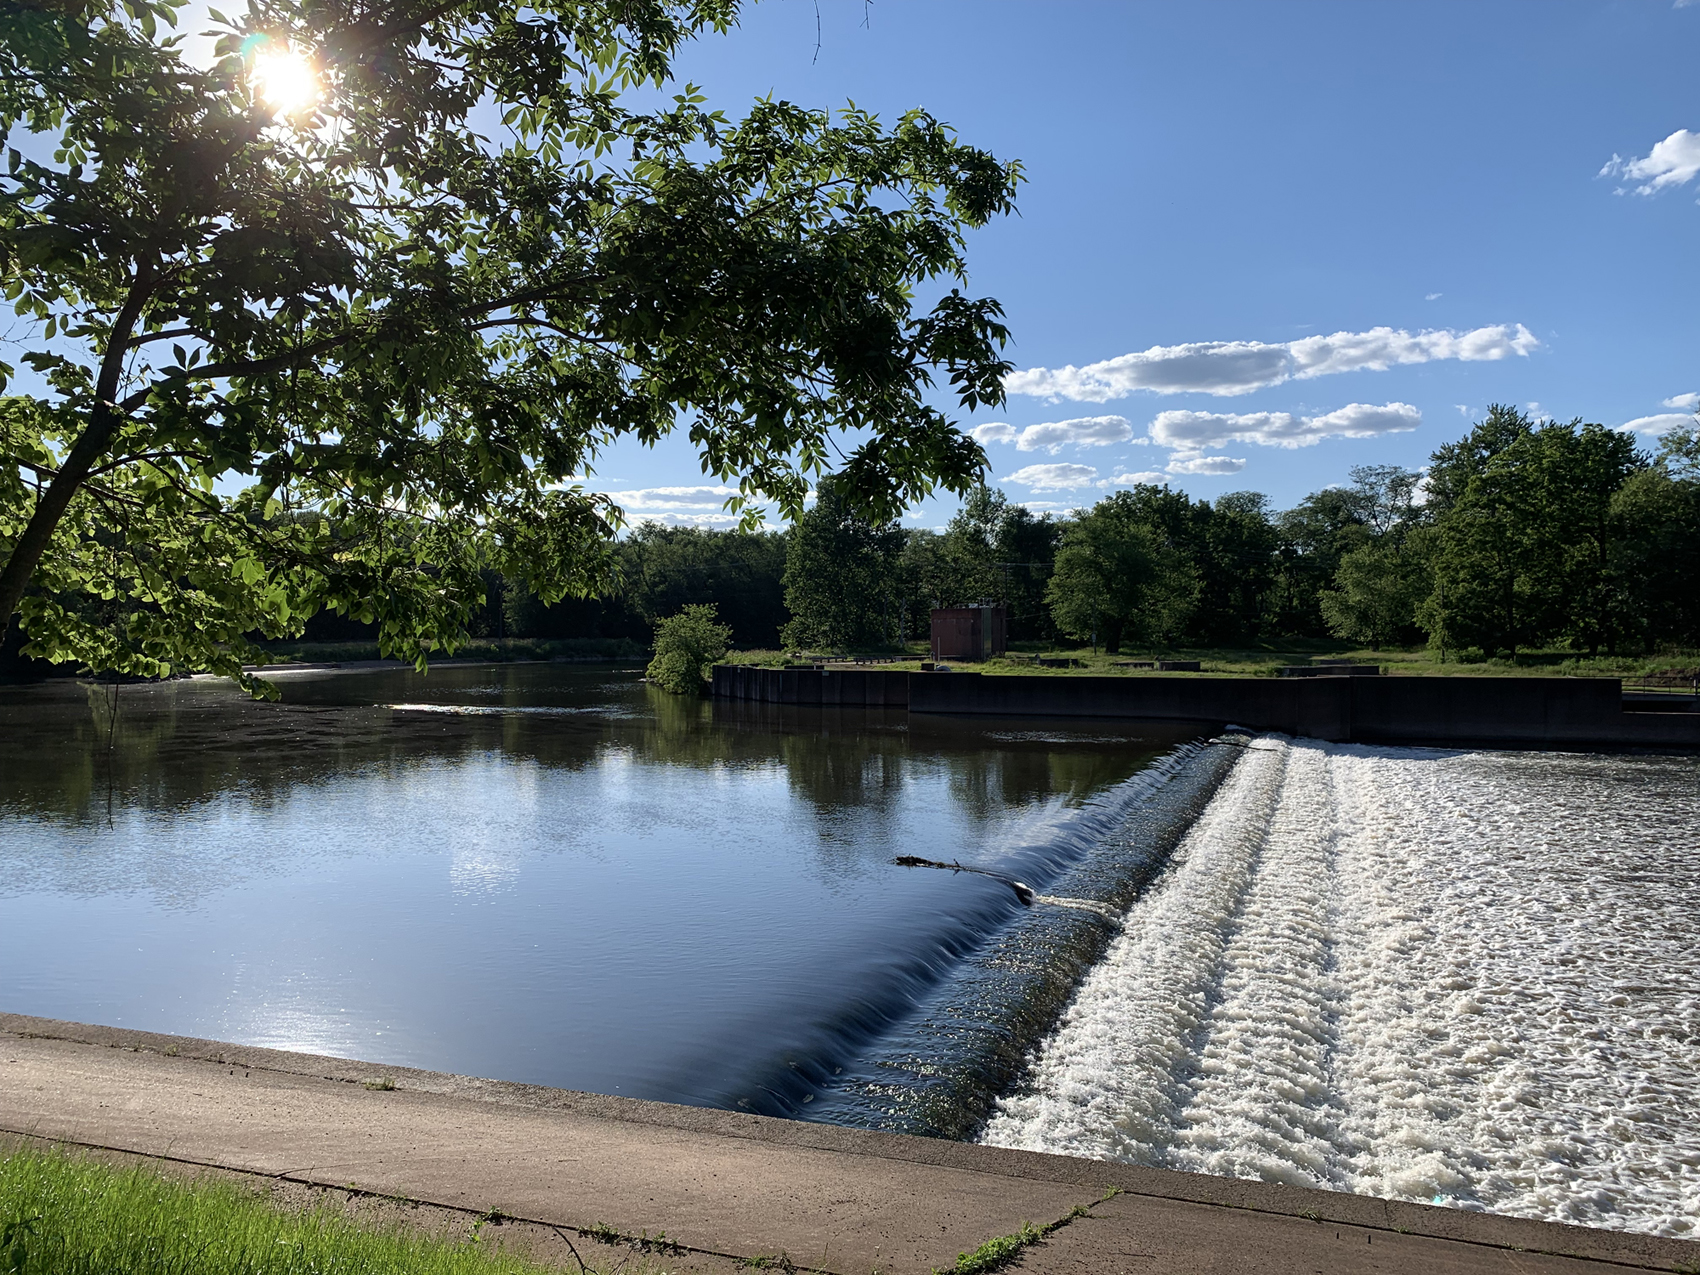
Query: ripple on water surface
1461, 978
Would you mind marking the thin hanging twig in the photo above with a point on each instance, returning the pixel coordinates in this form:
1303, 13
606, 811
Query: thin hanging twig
111, 745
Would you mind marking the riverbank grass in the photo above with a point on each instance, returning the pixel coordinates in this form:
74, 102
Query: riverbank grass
1267, 661
71, 1215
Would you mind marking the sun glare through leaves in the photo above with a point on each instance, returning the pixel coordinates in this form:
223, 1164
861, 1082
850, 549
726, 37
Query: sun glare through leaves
285, 79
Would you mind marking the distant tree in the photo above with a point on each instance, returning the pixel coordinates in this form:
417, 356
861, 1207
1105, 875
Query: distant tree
1311, 539
992, 550
1383, 497
1228, 549
949, 569
1679, 453
1658, 509
1530, 543
525, 615
970, 539
1454, 465
662, 569
927, 576
1314, 539
1376, 592
1116, 577
1495, 582
841, 576
1584, 467
1382, 574
1232, 546
686, 647
1024, 552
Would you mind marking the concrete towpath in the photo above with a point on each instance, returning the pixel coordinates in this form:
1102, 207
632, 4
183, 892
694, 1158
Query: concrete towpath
726, 1187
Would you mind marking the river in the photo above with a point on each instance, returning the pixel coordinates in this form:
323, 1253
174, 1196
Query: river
546, 873
1461, 977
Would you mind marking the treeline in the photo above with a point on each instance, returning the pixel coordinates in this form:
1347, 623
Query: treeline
1520, 535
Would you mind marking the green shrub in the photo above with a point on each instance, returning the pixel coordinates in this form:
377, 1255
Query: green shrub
686, 646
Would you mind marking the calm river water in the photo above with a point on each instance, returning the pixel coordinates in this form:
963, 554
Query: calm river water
546, 873
1466, 978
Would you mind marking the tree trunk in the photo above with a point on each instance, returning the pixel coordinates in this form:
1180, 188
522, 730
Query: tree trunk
1113, 637
104, 424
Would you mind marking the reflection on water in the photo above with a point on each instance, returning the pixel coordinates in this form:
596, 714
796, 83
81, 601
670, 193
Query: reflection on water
538, 872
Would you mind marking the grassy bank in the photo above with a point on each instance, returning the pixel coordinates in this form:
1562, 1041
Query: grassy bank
64, 1214
1266, 661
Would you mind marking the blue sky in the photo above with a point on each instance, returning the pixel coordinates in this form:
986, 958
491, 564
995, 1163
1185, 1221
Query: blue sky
1266, 203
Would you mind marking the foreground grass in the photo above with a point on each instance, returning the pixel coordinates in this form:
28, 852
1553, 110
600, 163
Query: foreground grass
70, 1215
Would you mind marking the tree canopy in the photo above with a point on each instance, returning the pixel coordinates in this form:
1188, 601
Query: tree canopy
1605, 537
355, 347
841, 578
1117, 577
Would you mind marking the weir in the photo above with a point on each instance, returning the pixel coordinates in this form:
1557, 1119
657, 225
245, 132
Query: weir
938, 1070
1514, 712
1456, 976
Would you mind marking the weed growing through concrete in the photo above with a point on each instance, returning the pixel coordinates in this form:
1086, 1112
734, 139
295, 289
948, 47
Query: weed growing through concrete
998, 1252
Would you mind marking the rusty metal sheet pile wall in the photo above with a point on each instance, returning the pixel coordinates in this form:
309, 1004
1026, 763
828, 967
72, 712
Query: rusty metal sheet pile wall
1493, 711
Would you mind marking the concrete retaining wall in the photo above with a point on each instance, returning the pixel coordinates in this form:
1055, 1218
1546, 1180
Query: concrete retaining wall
1494, 711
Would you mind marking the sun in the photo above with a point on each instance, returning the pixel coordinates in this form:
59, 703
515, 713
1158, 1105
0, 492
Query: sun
285, 79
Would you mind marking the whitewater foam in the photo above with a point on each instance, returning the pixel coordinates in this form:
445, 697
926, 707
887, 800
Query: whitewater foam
1461, 978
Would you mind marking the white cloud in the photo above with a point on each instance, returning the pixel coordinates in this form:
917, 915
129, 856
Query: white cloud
647, 498
1150, 477
1653, 426
1463, 408
669, 518
1682, 400
1382, 348
1227, 368
1053, 436
1673, 162
1193, 431
1184, 464
1087, 431
1055, 477
1433, 296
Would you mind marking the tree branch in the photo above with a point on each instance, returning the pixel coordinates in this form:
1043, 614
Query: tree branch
104, 423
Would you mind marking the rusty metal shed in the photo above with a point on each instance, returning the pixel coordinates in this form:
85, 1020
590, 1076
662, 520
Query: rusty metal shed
970, 633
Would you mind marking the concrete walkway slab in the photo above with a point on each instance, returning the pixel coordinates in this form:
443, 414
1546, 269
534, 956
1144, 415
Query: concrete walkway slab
724, 1183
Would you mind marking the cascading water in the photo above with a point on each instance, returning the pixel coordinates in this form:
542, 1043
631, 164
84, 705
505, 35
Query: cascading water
1460, 978
937, 1069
